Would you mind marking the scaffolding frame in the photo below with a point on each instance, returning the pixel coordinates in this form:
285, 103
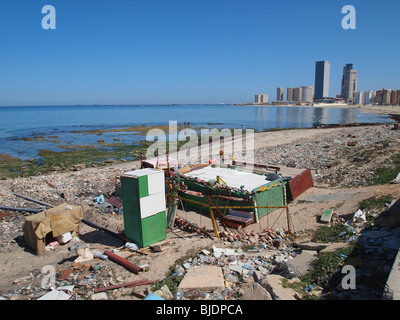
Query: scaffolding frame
213, 207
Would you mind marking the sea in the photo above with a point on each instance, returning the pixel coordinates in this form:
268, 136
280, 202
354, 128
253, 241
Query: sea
25, 130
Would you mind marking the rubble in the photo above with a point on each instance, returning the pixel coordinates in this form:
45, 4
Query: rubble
341, 159
252, 264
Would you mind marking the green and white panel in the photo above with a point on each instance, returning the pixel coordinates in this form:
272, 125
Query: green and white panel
144, 205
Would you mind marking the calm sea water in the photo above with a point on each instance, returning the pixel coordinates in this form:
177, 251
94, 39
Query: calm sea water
55, 123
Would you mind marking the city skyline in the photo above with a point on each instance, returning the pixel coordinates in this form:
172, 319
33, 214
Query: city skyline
129, 52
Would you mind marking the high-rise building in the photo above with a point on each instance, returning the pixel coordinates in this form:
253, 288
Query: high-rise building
360, 96
279, 94
383, 97
349, 83
297, 94
386, 96
307, 94
322, 72
393, 98
398, 97
261, 98
289, 94
378, 96
369, 97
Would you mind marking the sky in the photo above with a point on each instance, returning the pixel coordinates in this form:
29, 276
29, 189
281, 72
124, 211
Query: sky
189, 51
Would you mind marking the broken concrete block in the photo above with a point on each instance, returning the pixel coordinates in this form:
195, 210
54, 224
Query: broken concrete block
256, 292
333, 247
301, 264
207, 278
326, 216
236, 268
99, 296
313, 246
273, 284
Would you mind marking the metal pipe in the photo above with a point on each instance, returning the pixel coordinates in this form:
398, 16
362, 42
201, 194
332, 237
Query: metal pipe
123, 262
33, 200
127, 284
21, 209
93, 225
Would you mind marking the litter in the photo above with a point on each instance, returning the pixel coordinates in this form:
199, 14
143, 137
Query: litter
83, 254
99, 199
218, 252
123, 262
359, 216
55, 295
396, 180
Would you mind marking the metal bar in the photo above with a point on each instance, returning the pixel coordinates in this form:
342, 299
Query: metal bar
93, 225
21, 209
127, 284
33, 200
231, 207
123, 262
196, 226
214, 224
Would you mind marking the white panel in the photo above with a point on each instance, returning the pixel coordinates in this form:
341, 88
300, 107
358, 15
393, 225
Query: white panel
142, 172
152, 204
156, 182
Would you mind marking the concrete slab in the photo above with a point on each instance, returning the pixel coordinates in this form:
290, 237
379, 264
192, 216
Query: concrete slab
273, 284
301, 264
333, 247
317, 246
203, 279
256, 292
392, 288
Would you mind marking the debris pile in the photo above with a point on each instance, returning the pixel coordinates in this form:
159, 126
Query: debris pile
341, 159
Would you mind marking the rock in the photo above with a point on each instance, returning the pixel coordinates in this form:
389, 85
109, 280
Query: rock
236, 268
99, 296
273, 284
77, 167
256, 292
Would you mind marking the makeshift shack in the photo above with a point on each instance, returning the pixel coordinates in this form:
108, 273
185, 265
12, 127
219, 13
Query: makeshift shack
231, 186
46, 225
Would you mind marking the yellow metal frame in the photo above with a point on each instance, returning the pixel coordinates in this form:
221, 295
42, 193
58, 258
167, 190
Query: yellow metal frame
235, 207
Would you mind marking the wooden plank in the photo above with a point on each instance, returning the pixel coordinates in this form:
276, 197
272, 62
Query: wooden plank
125, 254
84, 272
65, 274
161, 246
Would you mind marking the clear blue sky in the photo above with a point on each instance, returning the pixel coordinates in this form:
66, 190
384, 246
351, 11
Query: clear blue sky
189, 51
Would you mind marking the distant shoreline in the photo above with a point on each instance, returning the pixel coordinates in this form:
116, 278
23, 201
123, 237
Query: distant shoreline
385, 110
